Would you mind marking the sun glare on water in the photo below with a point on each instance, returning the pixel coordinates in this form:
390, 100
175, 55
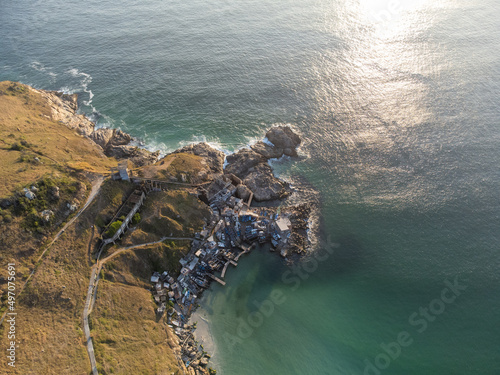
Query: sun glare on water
389, 14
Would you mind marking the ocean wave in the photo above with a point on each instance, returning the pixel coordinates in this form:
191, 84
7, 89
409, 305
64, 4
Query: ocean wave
81, 86
212, 141
39, 67
154, 146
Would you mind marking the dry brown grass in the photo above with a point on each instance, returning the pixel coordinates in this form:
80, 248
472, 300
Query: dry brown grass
27, 132
49, 311
25, 116
127, 338
173, 213
50, 337
182, 167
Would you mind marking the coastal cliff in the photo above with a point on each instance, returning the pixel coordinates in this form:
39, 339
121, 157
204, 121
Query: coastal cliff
248, 164
114, 142
63, 156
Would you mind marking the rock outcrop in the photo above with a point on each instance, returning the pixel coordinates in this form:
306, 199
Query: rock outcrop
214, 158
102, 136
63, 108
139, 156
251, 165
119, 138
242, 161
264, 184
283, 137
266, 150
114, 142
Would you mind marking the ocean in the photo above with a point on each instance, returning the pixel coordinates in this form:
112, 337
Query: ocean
398, 106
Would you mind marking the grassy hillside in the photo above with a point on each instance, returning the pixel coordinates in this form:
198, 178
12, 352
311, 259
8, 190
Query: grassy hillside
50, 160
28, 132
127, 337
55, 164
180, 167
173, 213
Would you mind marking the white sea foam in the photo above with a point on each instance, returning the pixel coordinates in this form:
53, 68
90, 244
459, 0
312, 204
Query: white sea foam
83, 85
267, 141
212, 141
38, 66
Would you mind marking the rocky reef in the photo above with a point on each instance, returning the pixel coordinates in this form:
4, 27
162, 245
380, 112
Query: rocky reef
282, 140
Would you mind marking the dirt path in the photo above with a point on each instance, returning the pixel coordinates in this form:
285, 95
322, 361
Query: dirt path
92, 293
96, 185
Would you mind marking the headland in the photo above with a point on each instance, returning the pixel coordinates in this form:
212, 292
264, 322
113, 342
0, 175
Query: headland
171, 225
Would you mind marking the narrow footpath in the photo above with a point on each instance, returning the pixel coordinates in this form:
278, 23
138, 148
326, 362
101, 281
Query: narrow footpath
92, 292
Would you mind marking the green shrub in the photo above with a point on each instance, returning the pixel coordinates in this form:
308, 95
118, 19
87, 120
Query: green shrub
136, 219
113, 228
24, 158
99, 221
16, 147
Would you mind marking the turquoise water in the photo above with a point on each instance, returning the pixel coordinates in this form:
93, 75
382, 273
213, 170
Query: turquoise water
398, 106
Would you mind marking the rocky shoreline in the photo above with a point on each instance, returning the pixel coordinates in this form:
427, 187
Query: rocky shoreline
113, 142
250, 164
234, 228
230, 184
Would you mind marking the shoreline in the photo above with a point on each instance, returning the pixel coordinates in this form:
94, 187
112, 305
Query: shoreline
234, 229
234, 180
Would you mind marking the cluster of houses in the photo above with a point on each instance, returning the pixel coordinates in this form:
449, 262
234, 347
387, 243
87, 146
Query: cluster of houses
233, 229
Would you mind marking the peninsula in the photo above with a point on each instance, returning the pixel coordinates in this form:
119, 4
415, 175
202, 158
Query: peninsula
95, 224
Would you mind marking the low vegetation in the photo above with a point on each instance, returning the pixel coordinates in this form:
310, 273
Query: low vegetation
44, 173
127, 337
113, 228
172, 213
33, 145
179, 167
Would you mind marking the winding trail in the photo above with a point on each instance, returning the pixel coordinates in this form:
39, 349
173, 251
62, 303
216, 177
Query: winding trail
92, 292
96, 186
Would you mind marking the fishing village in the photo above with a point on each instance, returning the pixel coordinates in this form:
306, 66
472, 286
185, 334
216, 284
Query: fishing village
138, 236
233, 229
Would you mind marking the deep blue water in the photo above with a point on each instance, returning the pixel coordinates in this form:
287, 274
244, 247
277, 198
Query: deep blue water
399, 109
